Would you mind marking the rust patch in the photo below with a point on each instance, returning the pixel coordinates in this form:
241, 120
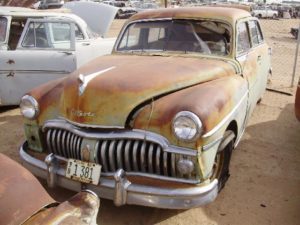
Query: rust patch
80, 209
111, 96
20, 192
211, 101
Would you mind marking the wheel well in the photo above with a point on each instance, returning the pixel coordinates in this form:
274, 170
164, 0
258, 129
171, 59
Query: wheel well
234, 128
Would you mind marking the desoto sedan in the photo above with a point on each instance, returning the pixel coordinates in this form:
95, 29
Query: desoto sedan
154, 123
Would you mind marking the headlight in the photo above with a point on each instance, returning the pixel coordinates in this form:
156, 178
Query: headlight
187, 126
29, 107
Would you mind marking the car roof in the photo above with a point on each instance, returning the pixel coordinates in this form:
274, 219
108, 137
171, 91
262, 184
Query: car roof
26, 12
231, 15
33, 13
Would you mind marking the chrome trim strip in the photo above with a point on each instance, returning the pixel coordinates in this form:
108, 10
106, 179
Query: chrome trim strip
216, 128
128, 134
211, 144
89, 125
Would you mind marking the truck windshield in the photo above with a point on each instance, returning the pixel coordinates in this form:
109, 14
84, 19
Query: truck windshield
3, 26
206, 37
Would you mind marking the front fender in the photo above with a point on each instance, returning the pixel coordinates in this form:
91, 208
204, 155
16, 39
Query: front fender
211, 101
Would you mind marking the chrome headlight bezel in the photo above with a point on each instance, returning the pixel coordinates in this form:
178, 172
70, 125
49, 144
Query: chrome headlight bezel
29, 107
194, 119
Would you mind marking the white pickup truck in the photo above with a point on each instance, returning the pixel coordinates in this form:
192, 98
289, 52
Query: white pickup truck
264, 12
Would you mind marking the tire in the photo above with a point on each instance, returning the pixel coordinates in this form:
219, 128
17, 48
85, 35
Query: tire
221, 165
274, 16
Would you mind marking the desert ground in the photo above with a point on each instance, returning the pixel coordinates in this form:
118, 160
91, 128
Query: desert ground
264, 186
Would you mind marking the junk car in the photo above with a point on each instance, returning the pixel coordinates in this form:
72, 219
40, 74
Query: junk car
39, 46
154, 123
25, 201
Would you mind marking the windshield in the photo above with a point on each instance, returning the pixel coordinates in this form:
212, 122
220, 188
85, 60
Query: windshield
3, 25
205, 37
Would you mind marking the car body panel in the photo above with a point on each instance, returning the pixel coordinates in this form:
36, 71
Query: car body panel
172, 78
15, 204
25, 201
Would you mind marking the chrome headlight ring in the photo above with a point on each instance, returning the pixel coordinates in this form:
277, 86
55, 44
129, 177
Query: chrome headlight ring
29, 107
187, 126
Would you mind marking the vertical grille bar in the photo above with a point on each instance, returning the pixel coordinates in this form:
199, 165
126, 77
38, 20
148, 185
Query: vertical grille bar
165, 163
71, 146
143, 156
53, 142
111, 153
119, 154
135, 154
127, 155
157, 160
68, 145
103, 156
78, 144
173, 165
49, 140
150, 158
58, 142
63, 143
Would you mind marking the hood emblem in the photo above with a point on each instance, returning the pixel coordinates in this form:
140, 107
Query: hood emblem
85, 79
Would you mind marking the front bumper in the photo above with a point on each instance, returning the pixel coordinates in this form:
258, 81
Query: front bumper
121, 190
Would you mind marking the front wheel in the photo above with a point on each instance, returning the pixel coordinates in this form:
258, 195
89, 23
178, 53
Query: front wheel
222, 162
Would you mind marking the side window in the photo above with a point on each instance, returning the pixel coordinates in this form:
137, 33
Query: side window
130, 39
259, 32
156, 34
3, 27
50, 35
253, 32
78, 33
243, 40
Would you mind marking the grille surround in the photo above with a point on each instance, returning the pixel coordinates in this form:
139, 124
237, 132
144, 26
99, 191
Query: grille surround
138, 152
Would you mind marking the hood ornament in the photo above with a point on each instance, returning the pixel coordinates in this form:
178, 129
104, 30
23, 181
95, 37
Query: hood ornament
85, 79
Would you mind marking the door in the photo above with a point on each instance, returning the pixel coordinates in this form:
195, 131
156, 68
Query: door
45, 51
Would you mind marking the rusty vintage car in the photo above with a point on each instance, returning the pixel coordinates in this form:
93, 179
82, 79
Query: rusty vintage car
160, 116
25, 201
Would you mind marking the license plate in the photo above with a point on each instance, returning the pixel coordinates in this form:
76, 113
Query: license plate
85, 172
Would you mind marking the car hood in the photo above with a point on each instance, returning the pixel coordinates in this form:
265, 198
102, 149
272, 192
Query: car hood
105, 91
98, 16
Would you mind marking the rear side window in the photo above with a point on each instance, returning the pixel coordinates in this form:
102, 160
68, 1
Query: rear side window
3, 27
243, 38
255, 31
50, 35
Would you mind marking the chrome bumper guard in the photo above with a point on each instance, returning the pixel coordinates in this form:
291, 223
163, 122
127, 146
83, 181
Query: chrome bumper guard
120, 189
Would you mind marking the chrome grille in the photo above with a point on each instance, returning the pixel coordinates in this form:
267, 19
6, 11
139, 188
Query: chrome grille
135, 156
64, 143
129, 150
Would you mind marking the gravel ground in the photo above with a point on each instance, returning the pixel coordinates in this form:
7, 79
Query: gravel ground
264, 187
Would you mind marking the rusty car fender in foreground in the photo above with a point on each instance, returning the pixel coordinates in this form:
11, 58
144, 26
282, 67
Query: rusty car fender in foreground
23, 200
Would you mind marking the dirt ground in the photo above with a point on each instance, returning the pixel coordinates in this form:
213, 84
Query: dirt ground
264, 186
